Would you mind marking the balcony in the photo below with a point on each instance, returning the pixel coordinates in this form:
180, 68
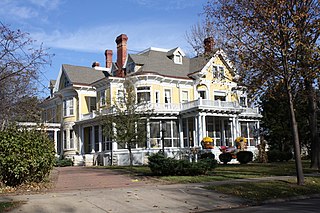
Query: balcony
217, 106
212, 105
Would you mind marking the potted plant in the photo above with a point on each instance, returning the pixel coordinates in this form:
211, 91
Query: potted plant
241, 143
207, 143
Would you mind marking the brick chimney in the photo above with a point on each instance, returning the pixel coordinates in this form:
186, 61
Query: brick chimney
121, 53
208, 45
108, 54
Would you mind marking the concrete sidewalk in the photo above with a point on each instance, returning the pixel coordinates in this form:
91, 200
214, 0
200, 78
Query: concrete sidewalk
148, 198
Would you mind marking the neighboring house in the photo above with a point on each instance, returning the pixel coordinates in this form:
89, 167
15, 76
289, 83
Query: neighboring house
190, 98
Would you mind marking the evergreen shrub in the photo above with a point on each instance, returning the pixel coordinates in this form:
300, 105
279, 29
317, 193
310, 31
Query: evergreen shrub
277, 155
165, 166
63, 162
244, 157
25, 156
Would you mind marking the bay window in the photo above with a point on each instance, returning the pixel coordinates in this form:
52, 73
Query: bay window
68, 107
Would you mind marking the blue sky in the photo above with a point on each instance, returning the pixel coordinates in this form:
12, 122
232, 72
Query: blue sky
78, 31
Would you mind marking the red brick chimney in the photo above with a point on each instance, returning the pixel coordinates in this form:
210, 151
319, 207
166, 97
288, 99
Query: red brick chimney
108, 54
121, 53
208, 45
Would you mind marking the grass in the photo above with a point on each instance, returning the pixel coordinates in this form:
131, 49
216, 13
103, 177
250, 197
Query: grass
261, 191
236, 171
254, 191
7, 206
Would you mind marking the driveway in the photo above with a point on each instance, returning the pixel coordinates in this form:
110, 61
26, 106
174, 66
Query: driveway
84, 178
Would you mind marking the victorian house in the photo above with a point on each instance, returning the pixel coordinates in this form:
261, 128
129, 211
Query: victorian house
190, 98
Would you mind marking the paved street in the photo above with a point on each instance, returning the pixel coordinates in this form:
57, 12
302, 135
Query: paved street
296, 206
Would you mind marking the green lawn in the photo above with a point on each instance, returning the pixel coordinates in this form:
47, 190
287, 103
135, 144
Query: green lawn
224, 172
261, 191
7, 206
253, 191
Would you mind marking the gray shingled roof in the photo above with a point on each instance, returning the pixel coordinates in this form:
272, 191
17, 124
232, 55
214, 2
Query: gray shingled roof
159, 62
83, 75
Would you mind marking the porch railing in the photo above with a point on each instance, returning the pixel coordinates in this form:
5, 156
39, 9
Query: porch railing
176, 108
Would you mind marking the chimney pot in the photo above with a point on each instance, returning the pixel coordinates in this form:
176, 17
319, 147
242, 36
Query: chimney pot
208, 45
108, 54
121, 41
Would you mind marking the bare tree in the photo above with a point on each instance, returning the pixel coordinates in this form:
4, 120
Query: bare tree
199, 32
268, 40
20, 64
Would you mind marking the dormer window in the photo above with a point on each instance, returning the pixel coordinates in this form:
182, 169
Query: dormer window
178, 59
176, 55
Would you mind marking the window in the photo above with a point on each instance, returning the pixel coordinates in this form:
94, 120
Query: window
248, 130
221, 73
178, 59
143, 94
167, 96
243, 101
218, 95
68, 107
184, 97
66, 82
102, 96
157, 97
202, 94
93, 105
71, 140
130, 67
64, 139
218, 72
120, 96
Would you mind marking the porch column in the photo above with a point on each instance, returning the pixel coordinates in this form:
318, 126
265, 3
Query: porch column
258, 130
223, 135
148, 134
67, 140
188, 136
114, 143
81, 144
234, 130
181, 133
204, 127
199, 129
100, 138
55, 139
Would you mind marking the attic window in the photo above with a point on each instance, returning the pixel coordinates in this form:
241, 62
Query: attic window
178, 58
66, 82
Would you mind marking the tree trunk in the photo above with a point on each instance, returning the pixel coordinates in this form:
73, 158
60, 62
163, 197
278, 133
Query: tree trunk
315, 142
300, 176
130, 155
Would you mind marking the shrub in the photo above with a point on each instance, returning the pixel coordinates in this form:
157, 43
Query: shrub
160, 165
285, 156
225, 157
244, 157
62, 162
276, 155
25, 156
